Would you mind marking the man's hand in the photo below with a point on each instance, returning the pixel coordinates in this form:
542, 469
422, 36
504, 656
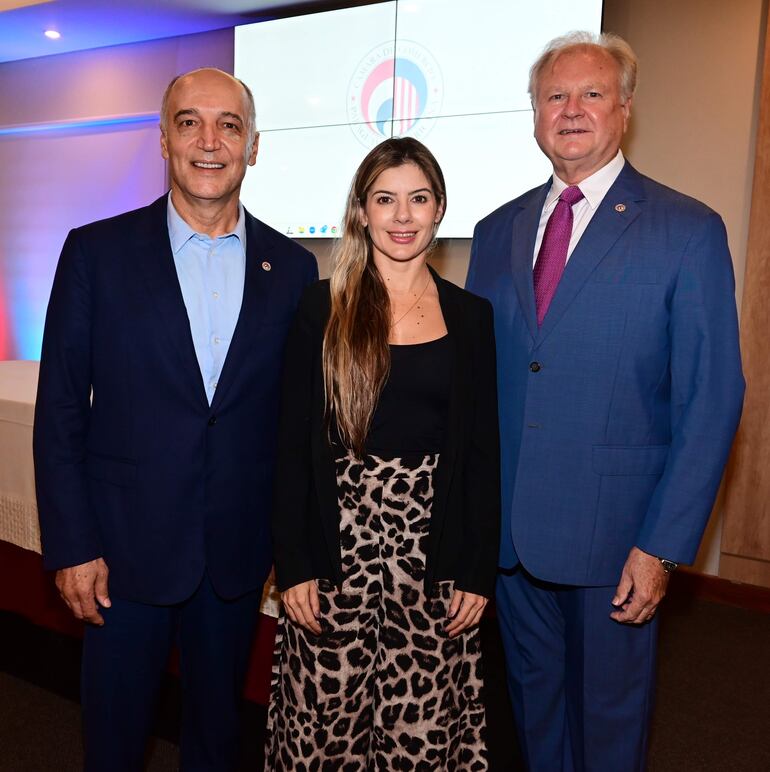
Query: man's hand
83, 587
465, 612
642, 587
302, 605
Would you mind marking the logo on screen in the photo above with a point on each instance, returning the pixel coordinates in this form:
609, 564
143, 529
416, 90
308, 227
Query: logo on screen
392, 91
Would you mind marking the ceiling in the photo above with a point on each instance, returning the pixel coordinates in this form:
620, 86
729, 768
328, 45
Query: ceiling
95, 23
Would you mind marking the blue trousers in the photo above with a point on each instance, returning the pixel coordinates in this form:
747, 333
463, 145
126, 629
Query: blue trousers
123, 663
581, 684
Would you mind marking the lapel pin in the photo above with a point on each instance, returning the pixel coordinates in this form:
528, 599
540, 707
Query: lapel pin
620, 207
266, 266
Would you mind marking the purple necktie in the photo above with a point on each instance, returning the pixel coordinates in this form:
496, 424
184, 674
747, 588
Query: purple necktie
553, 251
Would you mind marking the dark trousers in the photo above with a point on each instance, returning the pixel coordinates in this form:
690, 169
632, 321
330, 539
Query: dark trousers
581, 684
123, 663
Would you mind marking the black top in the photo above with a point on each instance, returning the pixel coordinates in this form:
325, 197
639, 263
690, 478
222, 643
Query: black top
464, 535
412, 412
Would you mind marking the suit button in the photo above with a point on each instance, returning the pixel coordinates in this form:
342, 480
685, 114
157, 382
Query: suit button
534, 367
212, 420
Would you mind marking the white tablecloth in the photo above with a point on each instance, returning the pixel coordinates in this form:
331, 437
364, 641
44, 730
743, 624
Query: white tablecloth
18, 508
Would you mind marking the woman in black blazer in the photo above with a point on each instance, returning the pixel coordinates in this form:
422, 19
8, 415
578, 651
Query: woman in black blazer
386, 511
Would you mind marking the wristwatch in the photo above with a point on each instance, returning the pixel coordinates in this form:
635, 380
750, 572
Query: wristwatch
668, 565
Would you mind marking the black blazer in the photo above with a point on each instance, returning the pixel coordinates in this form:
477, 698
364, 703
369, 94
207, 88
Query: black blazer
465, 518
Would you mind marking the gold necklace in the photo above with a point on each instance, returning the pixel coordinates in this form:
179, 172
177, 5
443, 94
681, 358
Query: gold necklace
408, 310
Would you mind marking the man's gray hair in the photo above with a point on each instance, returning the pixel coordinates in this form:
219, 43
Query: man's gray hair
251, 115
614, 45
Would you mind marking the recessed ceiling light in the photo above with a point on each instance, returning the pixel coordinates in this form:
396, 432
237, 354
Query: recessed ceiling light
52, 34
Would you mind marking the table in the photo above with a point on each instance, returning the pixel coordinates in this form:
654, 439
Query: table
18, 509
28, 590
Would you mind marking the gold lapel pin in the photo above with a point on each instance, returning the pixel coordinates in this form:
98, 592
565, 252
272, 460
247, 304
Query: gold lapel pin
266, 266
620, 207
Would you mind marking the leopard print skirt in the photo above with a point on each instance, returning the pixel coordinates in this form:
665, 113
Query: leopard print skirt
382, 687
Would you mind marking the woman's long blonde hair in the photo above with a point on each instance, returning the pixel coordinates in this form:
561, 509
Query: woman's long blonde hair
356, 357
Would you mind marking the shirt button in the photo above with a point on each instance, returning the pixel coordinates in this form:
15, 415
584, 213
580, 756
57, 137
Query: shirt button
217, 341
535, 367
215, 294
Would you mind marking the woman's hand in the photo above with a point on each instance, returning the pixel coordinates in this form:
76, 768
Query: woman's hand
302, 605
465, 612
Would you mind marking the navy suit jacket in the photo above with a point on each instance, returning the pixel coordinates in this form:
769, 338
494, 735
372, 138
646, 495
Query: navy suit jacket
131, 462
617, 414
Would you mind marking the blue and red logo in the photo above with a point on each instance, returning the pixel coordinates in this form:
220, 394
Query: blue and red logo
392, 90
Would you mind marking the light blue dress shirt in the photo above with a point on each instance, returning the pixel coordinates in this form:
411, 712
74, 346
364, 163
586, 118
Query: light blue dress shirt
211, 274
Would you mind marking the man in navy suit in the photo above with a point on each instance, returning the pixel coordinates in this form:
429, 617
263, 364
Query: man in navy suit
155, 431
620, 390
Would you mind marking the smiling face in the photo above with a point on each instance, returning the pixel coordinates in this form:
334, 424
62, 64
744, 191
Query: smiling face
401, 213
205, 139
580, 117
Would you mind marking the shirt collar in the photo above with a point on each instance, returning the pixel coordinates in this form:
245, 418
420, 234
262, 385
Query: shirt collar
593, 188
180, 232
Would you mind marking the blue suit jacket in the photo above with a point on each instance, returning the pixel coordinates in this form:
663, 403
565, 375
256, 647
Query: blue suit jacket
617, 415
146, 474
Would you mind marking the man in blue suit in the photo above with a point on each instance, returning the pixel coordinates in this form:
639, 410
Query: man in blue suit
620, 391
155, 431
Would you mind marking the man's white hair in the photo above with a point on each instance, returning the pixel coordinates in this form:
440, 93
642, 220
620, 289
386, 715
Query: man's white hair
614, 45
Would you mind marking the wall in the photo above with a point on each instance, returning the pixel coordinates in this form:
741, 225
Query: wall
56, 180
694, 118
746, 534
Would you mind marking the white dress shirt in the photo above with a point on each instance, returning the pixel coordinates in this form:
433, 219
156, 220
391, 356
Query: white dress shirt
593, 188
